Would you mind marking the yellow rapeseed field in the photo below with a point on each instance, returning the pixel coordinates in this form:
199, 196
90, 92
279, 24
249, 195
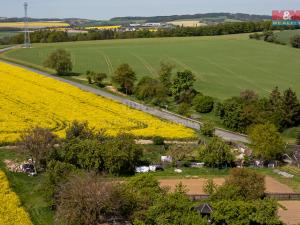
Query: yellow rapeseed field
28, 99
11, 211
42, 24
103, 27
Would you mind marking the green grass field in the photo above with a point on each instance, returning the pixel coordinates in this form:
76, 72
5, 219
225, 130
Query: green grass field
223, 65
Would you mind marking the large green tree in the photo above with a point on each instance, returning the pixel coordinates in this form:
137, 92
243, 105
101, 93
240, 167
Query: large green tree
61, 61
263, 212
267, 142
182, 86
165, 75
150, 89
121, 155
125, 77
290, 108
173, 209
216, 154
242, 179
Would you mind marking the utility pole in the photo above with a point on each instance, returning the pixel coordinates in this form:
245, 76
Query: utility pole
27, 43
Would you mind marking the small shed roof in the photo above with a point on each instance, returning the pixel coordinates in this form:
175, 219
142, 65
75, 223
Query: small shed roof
203, 209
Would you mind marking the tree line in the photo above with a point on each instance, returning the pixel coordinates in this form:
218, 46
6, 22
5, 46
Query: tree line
48, 36
270, 36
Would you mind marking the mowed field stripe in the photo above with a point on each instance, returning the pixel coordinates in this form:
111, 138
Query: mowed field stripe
145, 64
185, 66
236, 75
108, 63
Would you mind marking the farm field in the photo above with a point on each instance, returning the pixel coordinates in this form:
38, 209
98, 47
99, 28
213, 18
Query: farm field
187, 23
223, 65
11, 211
28, 99
33, 24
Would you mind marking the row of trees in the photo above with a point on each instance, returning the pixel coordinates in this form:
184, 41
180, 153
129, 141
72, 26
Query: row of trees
280, 109
47, 36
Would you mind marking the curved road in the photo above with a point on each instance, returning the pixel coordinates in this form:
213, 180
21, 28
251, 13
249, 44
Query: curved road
164, 114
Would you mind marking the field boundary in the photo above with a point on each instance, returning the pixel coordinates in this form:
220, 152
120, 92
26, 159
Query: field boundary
276, 196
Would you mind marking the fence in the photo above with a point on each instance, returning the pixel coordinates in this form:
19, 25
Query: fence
284, 196
276, 196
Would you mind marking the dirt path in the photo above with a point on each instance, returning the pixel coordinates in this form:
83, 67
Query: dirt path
195, 186
292, 213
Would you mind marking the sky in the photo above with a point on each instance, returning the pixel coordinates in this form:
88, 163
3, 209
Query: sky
101, 9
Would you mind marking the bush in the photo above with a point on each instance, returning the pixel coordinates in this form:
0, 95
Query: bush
60, 60
203, 104
158, 140
208, 129
256, 36
184, 109
295, 41
98, 79
150, 89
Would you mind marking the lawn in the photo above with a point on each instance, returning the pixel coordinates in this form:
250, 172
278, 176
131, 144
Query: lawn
223, 65
29, 191
290, 134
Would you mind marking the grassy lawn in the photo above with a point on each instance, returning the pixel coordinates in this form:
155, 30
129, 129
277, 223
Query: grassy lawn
223, 65
290, 134
29, 191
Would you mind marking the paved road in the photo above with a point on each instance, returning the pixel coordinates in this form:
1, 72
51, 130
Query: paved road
226, 135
